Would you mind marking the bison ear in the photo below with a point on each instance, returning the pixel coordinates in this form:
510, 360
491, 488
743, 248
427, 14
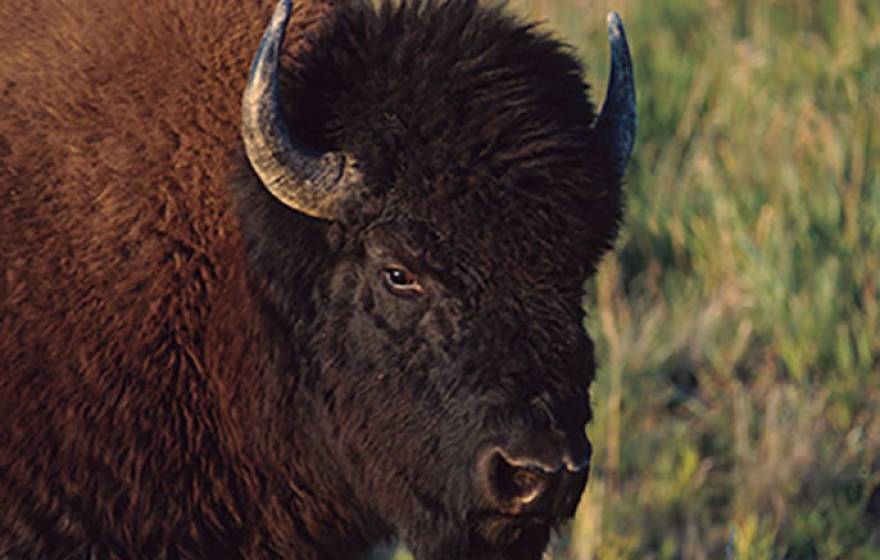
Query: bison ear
312, 182
616, 125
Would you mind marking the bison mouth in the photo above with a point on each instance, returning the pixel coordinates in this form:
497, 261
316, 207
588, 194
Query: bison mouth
490, 537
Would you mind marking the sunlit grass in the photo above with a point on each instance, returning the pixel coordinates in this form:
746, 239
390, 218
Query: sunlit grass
738, 321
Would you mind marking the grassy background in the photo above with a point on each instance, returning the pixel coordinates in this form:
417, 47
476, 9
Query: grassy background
738, 322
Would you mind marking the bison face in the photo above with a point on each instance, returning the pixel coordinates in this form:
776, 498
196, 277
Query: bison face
428, 261
456, 393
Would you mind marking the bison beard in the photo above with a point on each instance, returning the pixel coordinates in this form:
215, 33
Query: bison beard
353, 314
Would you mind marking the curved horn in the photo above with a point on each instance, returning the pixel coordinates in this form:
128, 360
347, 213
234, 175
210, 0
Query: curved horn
302, 178
616, 124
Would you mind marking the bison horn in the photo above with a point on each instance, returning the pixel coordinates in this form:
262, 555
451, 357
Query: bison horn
616, 124
302, 178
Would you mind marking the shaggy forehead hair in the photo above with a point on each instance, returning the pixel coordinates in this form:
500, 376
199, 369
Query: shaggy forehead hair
473, 132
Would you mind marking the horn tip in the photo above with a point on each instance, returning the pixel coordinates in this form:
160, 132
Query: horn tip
281, 13
615, 26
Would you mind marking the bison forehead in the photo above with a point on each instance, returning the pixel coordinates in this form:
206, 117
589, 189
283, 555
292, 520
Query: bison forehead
427, 69
473, 134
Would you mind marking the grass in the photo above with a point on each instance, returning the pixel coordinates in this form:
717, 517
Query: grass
738, 321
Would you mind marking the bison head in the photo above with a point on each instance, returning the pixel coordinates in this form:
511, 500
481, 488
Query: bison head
421, 242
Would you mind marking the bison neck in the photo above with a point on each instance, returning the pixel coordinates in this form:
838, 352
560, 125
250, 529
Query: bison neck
304, 504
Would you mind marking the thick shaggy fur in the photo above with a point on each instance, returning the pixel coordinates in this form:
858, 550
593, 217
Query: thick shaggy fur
193, 370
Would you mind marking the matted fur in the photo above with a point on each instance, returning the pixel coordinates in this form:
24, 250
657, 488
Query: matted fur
193, 370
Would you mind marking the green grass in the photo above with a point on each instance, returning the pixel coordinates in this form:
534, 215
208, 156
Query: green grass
738, 321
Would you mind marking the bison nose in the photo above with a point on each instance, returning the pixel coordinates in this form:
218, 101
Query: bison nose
537, 473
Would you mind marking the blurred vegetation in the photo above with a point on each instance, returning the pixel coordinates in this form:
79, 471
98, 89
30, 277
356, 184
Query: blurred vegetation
738, 321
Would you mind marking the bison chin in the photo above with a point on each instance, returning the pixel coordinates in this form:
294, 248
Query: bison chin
493, 538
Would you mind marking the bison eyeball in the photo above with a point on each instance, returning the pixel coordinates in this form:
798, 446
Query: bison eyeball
401, 281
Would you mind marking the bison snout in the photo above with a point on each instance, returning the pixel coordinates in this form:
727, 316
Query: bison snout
542, 474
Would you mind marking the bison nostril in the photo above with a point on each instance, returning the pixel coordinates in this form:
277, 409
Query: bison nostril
512, 484
577, 464
517, 484
533, 472
528, 485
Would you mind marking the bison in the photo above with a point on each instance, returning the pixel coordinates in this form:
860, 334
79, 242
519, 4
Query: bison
341, 307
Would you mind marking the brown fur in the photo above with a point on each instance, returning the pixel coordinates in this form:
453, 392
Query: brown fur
116, 224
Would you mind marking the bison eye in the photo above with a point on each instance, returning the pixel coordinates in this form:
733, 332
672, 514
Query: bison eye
401, 281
